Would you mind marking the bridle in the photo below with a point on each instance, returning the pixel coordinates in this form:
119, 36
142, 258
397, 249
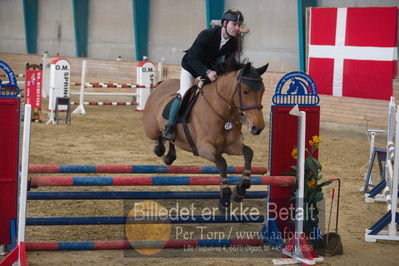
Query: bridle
242, 108
248, 107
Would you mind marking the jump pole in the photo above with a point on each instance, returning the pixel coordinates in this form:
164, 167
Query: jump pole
97, 220
106, 85
124, 244
105, 103
37, 181
138, 195
80, 109
139, 169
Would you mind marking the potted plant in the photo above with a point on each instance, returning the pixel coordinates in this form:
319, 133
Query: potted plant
313, 191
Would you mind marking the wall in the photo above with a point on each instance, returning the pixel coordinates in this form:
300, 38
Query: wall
111, 32
170, 34
272, 35
173, 26
12, 31
55, 30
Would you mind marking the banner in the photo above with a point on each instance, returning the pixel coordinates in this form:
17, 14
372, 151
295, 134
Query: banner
33, 88
353, 51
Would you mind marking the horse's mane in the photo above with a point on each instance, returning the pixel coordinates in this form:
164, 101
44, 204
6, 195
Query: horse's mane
252, 75
229, 65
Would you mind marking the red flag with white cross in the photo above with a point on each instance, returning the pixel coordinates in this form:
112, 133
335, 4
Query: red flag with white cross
353, 51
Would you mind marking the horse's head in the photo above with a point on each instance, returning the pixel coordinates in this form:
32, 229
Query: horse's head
249, 95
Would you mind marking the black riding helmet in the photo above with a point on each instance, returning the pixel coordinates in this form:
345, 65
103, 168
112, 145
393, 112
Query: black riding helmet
233, 15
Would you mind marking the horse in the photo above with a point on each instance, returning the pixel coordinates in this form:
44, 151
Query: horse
215, 121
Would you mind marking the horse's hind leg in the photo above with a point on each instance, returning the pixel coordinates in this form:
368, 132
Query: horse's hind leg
159, 148
170, 157
225, 191
245, 183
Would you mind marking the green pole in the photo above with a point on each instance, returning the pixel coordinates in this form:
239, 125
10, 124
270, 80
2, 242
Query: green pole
301, 36
81, 24
30, 16
214, 10
302, 5
141, 16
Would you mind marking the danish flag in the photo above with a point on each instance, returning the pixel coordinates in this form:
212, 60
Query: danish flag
353, 51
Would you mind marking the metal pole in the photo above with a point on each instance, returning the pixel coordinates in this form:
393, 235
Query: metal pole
81, 109
51, 105
23, 182
301, 36
299, 213
300, 174
392, 232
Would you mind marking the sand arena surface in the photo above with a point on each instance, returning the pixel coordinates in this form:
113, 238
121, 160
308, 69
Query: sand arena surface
114, 135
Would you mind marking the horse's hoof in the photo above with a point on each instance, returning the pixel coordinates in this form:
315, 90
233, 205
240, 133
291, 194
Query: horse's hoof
238, 194
168, 160
241, 189
245, 183
159, 150
224, 202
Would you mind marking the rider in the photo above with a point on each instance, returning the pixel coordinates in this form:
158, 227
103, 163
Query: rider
210, 46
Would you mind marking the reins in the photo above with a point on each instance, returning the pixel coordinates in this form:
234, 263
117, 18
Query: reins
232, 107
209, 104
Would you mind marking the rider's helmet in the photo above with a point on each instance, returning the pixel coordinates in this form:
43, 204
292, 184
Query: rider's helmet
233, 15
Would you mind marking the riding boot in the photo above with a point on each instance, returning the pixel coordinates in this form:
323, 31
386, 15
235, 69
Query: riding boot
170, 127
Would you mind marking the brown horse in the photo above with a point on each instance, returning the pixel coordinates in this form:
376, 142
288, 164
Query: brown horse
235, 97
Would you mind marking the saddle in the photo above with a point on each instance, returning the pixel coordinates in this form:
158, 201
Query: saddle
186, 106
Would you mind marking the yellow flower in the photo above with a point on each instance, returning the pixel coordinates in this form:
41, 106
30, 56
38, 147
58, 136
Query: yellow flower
323, 165
312, 183
314, 141
294, 153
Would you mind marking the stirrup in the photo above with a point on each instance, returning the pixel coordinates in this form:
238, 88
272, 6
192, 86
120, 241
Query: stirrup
169, 132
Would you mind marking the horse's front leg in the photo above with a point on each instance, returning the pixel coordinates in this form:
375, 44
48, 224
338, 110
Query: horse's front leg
245, 183
225, 191
208, 152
